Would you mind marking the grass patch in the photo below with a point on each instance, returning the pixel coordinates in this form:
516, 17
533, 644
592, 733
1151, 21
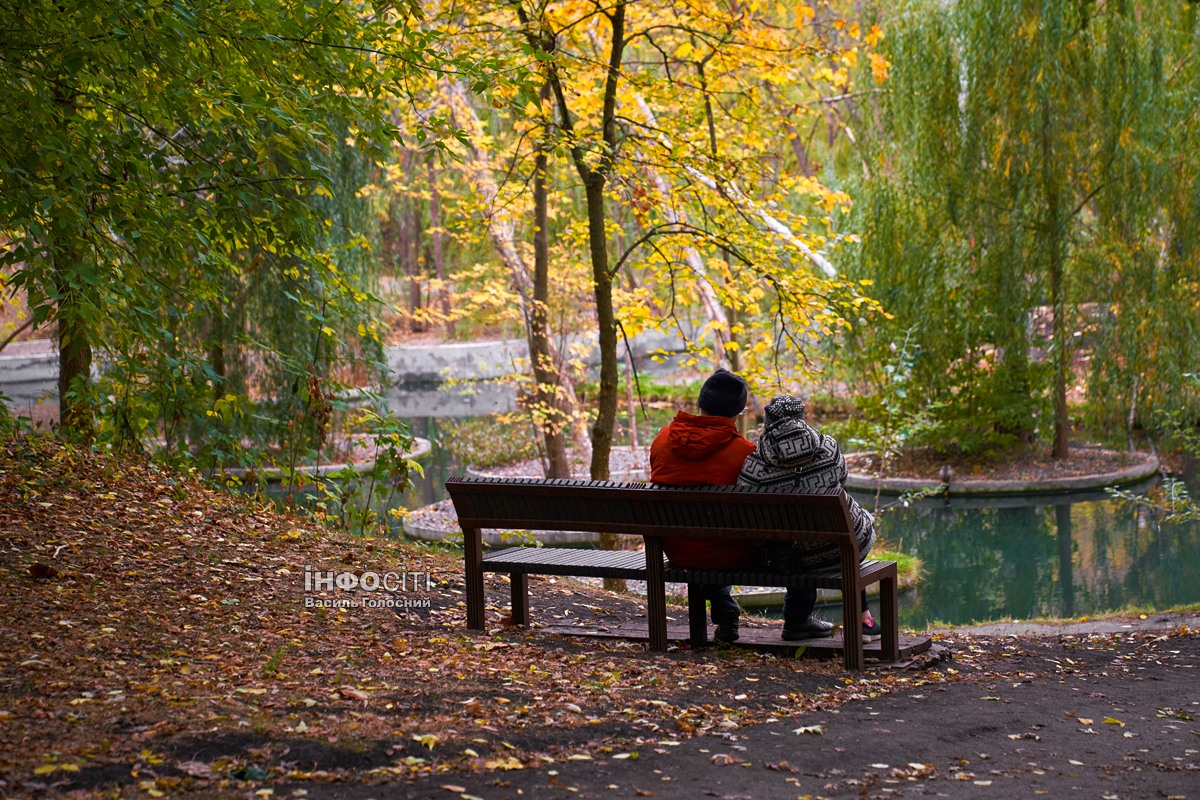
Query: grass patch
908, 567
1125, 613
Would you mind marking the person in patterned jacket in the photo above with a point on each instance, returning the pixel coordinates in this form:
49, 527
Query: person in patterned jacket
793, 456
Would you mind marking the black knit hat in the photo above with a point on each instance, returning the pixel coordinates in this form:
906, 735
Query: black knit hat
723, 394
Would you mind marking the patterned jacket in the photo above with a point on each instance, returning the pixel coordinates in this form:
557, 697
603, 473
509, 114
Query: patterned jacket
793, 456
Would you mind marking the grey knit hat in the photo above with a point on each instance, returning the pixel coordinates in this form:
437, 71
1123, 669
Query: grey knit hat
723, 394
783, 406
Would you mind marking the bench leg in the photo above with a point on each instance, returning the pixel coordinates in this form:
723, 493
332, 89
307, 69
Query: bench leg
656, 594
889, 614
852, 643
473, 563
520, 598
697, 616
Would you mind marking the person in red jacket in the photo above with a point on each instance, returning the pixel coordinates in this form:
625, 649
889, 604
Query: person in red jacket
707, 450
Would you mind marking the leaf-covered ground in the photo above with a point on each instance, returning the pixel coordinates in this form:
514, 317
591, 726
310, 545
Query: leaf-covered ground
156, 640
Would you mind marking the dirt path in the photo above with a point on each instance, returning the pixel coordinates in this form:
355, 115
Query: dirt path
1097, 717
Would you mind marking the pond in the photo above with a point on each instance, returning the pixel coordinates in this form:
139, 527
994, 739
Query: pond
1064, 556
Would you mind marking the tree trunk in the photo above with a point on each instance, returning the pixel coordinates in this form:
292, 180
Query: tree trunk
216, 354
500, 227
606, 323
547, 404
1062, 352
410, 228
437, 252
1060, 339
631, 402
75, 411
594, 179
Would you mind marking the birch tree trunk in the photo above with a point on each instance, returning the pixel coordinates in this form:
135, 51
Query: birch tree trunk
501, 231
547, 403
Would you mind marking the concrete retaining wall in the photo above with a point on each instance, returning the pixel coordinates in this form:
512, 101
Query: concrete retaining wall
34, 373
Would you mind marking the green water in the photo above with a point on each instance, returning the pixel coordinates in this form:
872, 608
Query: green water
1053, 557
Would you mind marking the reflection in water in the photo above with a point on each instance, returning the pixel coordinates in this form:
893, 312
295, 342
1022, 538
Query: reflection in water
424, 408
430, 488
1047, 557
464, 400
1066, 575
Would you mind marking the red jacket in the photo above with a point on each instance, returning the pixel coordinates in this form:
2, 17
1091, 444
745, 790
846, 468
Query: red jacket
695, 451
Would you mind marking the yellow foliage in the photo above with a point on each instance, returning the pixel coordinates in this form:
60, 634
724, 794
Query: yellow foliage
879, 67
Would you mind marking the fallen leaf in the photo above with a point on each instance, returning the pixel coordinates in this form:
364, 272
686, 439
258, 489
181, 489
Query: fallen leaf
197, 769
430, 740
43, 572
353, 694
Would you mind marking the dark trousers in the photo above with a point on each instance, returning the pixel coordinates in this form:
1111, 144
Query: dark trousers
798, 604
722, 605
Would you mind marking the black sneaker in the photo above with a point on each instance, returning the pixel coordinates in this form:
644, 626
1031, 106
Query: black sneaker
811, 628
872, 632
727, 632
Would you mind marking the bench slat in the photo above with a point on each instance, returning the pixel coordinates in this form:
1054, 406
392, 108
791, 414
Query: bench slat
564, 561
631, 564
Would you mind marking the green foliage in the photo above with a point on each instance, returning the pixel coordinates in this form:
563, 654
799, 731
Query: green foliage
363, 498
889, 421
179, 194
1171, 500
1030, 198
10, 423
1181, 425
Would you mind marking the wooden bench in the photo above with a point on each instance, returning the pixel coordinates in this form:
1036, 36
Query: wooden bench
656, 513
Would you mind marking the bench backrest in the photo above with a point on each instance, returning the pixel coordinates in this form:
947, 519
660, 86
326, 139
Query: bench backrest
639, 508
